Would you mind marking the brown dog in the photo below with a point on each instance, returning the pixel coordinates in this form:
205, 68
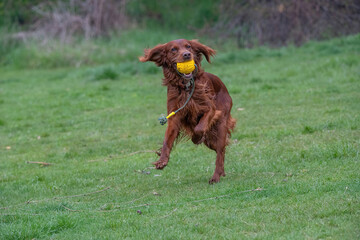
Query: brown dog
206, 117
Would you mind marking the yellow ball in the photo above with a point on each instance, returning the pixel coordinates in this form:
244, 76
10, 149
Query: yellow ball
186, 67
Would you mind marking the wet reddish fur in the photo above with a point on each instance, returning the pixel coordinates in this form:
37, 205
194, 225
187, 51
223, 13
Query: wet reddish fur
206, 118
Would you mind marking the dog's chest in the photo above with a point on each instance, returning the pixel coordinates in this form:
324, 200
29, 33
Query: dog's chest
200, 103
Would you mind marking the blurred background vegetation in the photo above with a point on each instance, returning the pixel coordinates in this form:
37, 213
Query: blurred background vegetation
45, 33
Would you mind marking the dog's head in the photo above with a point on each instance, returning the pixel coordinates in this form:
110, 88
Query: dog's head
169, 54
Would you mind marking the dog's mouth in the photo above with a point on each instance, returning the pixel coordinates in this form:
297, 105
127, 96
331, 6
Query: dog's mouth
187, 76
186, 69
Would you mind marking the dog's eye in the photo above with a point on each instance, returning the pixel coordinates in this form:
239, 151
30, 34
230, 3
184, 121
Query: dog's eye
174, 49
188, 46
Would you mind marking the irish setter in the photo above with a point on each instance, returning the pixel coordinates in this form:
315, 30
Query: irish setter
206, 117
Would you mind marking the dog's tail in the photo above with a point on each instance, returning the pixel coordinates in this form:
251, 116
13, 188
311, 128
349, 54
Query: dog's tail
231, 123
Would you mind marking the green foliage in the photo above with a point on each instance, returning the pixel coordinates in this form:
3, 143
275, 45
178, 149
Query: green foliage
106, 73
17, 12
124, 47
168, 14
174, 15
297, 138
246, 23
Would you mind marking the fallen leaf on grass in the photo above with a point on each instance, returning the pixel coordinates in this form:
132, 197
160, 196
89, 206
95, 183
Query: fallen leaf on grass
42, 164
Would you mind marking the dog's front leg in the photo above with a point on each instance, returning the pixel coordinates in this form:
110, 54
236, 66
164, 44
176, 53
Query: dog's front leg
172, 132
204, 124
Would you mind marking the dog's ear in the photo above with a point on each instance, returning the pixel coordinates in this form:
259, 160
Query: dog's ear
202, 49
155, 54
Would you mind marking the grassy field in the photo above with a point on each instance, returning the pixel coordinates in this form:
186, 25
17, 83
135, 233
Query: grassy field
292, 168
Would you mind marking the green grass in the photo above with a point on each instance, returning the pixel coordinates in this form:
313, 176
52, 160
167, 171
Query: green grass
297, 138
119, 47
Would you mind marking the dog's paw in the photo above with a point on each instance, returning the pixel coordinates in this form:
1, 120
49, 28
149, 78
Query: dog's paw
198, 139
214, 179
160, 164
199, 130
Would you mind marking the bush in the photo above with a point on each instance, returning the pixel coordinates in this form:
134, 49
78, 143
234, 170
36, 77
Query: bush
281, 22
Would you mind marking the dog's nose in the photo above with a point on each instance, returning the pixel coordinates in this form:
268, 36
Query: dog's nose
186, 55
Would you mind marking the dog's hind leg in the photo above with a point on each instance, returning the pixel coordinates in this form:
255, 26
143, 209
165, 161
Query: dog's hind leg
219, 168
217, 141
